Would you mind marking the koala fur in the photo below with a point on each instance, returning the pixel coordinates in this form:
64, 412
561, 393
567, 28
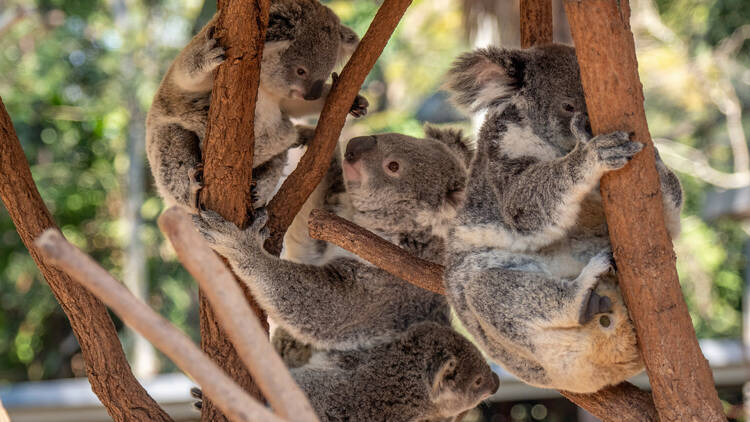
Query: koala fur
425, 373
529, 265
392, 184
304, 41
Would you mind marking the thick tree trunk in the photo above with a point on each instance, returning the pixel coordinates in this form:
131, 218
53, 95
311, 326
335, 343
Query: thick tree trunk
681, 380
106, 366
228, 160
313, 166
623, 402
536, 22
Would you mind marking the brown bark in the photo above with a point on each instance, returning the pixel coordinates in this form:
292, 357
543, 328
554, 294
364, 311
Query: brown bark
242, 326
623, 402
681, 380
154, 327
536, 22
228, 160
106, 366
312, 167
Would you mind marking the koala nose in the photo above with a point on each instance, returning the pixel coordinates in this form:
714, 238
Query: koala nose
495, 383
315, 91
358, 146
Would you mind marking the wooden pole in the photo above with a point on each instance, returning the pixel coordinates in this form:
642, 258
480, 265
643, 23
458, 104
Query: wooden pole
125, 400
228, 160
536, 22
623, 402
681, 379
241, 325
161, 333
313, 166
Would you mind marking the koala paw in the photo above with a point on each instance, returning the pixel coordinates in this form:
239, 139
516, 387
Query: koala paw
359, 108
209, 55
592, 303
197, 394
580, 127
615, 149
305, 134
195, 175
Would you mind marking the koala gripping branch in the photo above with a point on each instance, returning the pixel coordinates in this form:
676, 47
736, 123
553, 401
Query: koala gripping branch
228, 159
622, 403
681, 380
125, 400
312, 167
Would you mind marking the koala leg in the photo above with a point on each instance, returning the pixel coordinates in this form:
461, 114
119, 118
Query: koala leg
671, 192
175, 159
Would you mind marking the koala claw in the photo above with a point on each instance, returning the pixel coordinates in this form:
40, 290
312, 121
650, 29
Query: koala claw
594, 304
615, 149
196, 185
359, 108
197, 394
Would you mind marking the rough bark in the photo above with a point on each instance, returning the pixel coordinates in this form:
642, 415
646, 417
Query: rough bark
681, 380
242, 326
228, 160
161, 333
107, 368
312, 167
623, 402
536, 22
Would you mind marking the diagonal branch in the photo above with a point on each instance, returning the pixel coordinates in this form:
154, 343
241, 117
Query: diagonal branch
227, 395
125, 400
239, 322
623, 402
312, 167
682, 382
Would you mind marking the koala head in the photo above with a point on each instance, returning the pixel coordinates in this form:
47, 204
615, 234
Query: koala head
401, 177
459, 376
304, 42
542, 84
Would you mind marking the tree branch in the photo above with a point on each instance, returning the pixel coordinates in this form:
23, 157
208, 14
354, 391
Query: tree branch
682, 383
227, 395
228, 159
3, 414
312, 167
238, 321
536, 22
623, 402
125, 400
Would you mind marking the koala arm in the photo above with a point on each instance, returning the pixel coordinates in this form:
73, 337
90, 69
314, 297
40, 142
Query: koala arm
193, 68
671, 192
175, 158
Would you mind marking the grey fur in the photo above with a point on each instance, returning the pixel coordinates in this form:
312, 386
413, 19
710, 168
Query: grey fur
341, 301
529, 266
303, 36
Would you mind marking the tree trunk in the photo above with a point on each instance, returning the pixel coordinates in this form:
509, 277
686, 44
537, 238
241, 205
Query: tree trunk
106, 366
228, 161
681, 380
536, 22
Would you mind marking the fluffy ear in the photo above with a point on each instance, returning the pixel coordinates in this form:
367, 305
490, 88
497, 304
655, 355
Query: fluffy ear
485, 77
445, 368
454, 139
349, 41
281, 20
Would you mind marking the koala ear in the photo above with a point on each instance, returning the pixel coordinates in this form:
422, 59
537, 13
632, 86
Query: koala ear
349, 41
485, 77
282, 18
445, 368
454, 139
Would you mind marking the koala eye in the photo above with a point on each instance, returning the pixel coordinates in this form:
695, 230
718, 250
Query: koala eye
570, 108
301, 71
393, 166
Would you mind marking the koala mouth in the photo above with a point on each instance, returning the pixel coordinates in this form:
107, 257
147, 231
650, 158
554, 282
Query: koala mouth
352, 171
296, 93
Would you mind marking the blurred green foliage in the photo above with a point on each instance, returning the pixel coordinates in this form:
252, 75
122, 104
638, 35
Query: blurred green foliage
78, 76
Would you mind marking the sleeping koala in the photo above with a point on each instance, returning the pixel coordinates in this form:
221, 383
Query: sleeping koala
529, 264
304, 41
395, 185
429, 372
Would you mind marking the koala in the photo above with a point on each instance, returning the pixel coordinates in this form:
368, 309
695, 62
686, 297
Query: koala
529, 271
395, 186
304, 41
428, 372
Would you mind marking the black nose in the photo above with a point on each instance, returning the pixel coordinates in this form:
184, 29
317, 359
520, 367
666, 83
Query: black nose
495, 383
315, 91
358, 146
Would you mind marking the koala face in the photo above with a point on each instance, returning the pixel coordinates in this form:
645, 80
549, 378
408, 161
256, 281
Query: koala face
543, 83
304, 41
401, 174
460, 376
